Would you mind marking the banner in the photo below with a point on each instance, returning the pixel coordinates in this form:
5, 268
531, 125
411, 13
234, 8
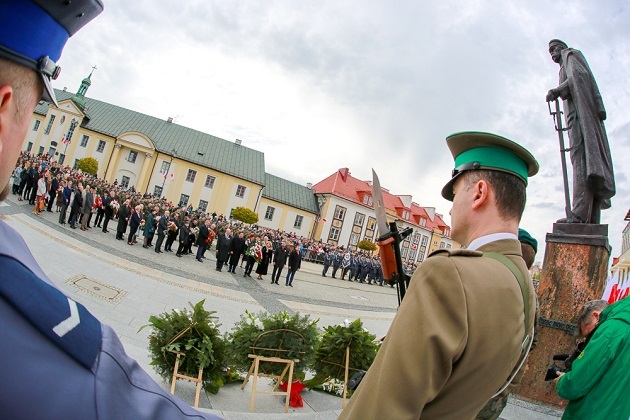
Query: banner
616, 288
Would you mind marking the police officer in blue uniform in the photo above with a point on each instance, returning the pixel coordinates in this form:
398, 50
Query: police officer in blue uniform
58, 361
328, 260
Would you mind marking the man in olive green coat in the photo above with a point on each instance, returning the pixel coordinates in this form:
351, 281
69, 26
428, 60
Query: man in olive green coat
464, 325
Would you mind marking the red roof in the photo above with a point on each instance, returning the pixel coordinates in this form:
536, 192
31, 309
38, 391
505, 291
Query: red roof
343, 184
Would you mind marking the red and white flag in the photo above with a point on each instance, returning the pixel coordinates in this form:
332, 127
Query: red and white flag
616, 288
63, 139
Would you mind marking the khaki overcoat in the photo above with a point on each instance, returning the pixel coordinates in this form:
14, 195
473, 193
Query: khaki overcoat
454, 341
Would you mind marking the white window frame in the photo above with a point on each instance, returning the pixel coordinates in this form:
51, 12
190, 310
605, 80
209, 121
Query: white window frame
240, 191
299, 219
84, 140
191, 175
133, 155
269, 213
209, 181
334, 233
101, 146
340, 212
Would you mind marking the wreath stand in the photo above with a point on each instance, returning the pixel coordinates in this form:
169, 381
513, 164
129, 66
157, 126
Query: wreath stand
177, 375
347, 369
254, 369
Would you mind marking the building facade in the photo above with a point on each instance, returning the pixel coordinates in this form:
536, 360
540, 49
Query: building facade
347, 216
188, 167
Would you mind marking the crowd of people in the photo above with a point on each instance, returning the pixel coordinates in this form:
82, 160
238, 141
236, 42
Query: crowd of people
86, 202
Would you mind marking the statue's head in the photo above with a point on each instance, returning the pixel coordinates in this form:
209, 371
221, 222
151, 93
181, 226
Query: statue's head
555, 49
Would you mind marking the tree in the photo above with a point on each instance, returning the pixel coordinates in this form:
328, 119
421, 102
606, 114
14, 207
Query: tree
88, 165
366, 245
244, 215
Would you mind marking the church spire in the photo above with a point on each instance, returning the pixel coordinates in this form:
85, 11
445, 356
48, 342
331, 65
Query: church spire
79, 98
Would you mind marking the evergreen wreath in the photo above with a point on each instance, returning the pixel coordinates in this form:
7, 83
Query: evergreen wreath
278, 335
329, 361
197, 335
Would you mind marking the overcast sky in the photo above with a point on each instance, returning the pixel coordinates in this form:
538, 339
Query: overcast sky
318, 86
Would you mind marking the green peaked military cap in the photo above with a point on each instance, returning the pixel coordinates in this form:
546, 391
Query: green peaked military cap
473, 150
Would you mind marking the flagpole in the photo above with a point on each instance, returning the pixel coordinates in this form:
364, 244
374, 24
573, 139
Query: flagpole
173, 154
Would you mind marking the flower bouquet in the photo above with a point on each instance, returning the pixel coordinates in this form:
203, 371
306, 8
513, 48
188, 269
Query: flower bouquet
254, 250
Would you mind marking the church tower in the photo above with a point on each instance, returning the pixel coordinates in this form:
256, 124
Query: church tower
79, 98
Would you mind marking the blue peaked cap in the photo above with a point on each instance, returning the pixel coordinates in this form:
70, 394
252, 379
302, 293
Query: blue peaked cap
34, 32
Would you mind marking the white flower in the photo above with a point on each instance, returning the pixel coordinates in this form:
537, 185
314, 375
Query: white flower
346, 323
258, 324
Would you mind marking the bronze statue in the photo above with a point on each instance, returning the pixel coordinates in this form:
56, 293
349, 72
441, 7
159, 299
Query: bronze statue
593, 179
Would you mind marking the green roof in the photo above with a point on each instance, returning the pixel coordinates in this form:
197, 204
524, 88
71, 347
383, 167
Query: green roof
191, 145
290, 193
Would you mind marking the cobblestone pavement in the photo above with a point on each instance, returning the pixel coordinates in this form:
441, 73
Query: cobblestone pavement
123, 285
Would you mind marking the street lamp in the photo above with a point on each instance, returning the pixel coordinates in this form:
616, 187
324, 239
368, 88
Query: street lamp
173, 154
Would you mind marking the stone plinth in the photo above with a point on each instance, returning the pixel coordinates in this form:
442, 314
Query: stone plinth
574, 272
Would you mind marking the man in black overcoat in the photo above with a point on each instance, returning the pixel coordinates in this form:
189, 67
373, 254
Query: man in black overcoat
123, 219
237, 247
223, 248
202, 239
279, 260
161, 231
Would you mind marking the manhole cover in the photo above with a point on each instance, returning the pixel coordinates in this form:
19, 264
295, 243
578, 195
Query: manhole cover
95, 288
359, 297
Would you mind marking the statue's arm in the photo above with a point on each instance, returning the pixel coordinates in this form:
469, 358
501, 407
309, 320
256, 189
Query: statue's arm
562, 91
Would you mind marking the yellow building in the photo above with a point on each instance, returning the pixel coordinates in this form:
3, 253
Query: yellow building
163, 158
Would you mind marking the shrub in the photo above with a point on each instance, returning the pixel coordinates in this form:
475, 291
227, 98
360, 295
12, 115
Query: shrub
245, 215
88, 165
197, 335
366, 245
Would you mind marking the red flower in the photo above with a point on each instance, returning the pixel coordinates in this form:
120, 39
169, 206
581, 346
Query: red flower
295, 399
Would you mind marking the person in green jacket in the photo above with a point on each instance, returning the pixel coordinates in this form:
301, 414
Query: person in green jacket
598, 384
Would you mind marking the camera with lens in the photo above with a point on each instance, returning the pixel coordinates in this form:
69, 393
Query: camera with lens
567, 359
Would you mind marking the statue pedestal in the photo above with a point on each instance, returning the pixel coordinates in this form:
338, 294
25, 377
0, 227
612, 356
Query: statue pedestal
574, 272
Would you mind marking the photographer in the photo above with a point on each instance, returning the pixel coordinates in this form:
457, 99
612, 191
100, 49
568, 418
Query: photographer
597, 383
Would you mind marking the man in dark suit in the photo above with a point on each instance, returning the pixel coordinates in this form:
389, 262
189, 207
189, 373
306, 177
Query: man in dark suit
184, 233
237, 248
109, 211
76, 206
295, 261
279, 260
65, 201
223, 248
161, 231
124, 212
202, 239
52, 193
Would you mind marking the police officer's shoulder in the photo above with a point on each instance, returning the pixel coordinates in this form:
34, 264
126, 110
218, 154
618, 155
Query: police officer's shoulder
458, 252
